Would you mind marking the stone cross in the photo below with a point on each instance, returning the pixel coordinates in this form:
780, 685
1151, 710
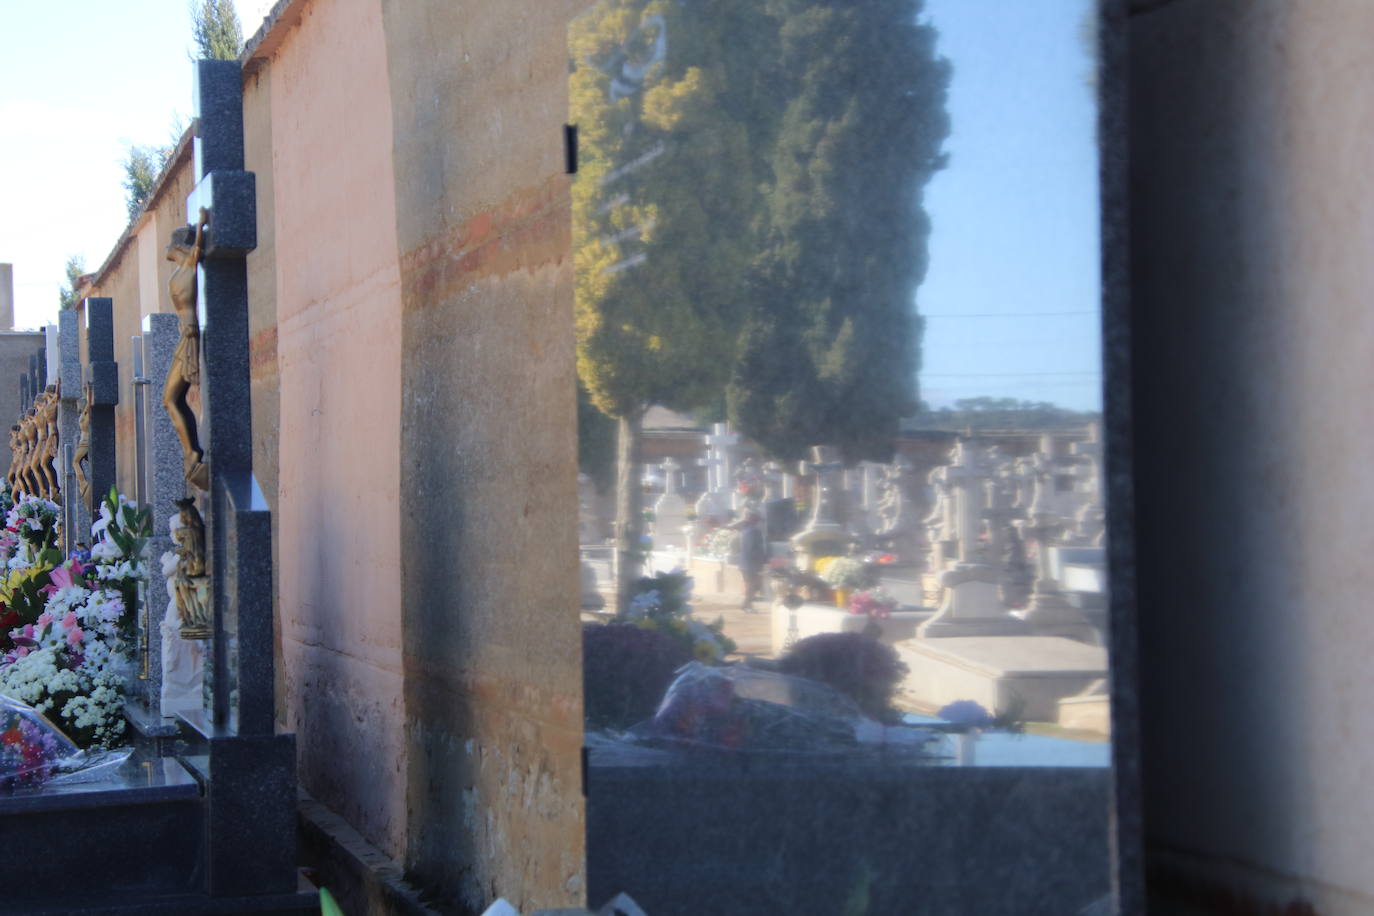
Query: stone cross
964, 481
102, 381
252, 768
670, 475
76, 518
721, 443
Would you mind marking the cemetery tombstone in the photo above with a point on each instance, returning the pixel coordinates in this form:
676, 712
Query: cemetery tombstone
76, 517
176, 673
670, 510
102, 389
250, 768
971, 604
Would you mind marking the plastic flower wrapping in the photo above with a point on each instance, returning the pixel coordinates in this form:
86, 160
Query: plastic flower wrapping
68, 652
739, 708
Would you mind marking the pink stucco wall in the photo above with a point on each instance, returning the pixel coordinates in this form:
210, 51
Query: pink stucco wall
339, 355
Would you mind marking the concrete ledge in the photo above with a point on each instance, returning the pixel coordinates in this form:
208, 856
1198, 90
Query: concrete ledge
1000, 672
812, 618
360, 876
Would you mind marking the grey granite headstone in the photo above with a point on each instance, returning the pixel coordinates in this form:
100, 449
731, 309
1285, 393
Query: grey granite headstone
76, 517
34, 387
102, 374
166, 481
40, 365
251, 788
25, 393
52, 354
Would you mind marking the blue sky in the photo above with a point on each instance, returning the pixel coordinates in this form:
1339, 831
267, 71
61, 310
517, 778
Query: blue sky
1015, 233
81, 82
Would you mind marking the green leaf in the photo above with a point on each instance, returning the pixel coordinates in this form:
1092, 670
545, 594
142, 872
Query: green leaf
328, 906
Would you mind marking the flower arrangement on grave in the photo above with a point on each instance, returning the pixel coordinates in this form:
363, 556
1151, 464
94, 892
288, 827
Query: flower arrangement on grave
28, 554
875, 602
72, 662
663, 603
720, 542
844, 572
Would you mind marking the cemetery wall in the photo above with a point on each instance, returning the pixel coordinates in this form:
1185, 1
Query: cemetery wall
325, 350
15, 349
492, 640
135, 277
264, 375
1250, 194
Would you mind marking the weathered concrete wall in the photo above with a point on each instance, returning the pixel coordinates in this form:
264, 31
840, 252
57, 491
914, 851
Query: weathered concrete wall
338, 352
135, 276
15, 349
1250, 194
265, 375
493, 709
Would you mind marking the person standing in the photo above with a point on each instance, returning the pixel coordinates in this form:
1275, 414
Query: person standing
752, 556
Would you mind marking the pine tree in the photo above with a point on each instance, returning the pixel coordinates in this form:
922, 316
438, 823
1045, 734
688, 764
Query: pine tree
215, 28
74, 269
142, 167
830, 348
662, 206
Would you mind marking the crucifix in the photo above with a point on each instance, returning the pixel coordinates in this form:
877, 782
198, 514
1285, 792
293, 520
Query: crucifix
252, 767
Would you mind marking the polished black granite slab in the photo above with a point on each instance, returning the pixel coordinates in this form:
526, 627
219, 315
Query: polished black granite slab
137, 782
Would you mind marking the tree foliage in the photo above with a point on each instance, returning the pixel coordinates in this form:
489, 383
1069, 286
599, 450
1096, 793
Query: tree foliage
830, 346
74, 269
215, 28
142, 166
663, 199
747, 219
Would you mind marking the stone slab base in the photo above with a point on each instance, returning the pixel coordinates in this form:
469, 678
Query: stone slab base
1000, 672
812, 619
1092, 714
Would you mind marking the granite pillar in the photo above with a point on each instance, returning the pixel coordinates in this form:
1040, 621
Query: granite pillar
76, 518
102, 379
174, 670
251, 793
51, 354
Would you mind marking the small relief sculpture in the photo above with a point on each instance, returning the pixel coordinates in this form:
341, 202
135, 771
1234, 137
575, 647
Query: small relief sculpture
184, 374
30, 433
12, 475
48, 415
81, 456
191, 583
48, 442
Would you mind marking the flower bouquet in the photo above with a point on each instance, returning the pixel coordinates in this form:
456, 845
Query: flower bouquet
663, 603
875, 602
844, 572
73, 660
